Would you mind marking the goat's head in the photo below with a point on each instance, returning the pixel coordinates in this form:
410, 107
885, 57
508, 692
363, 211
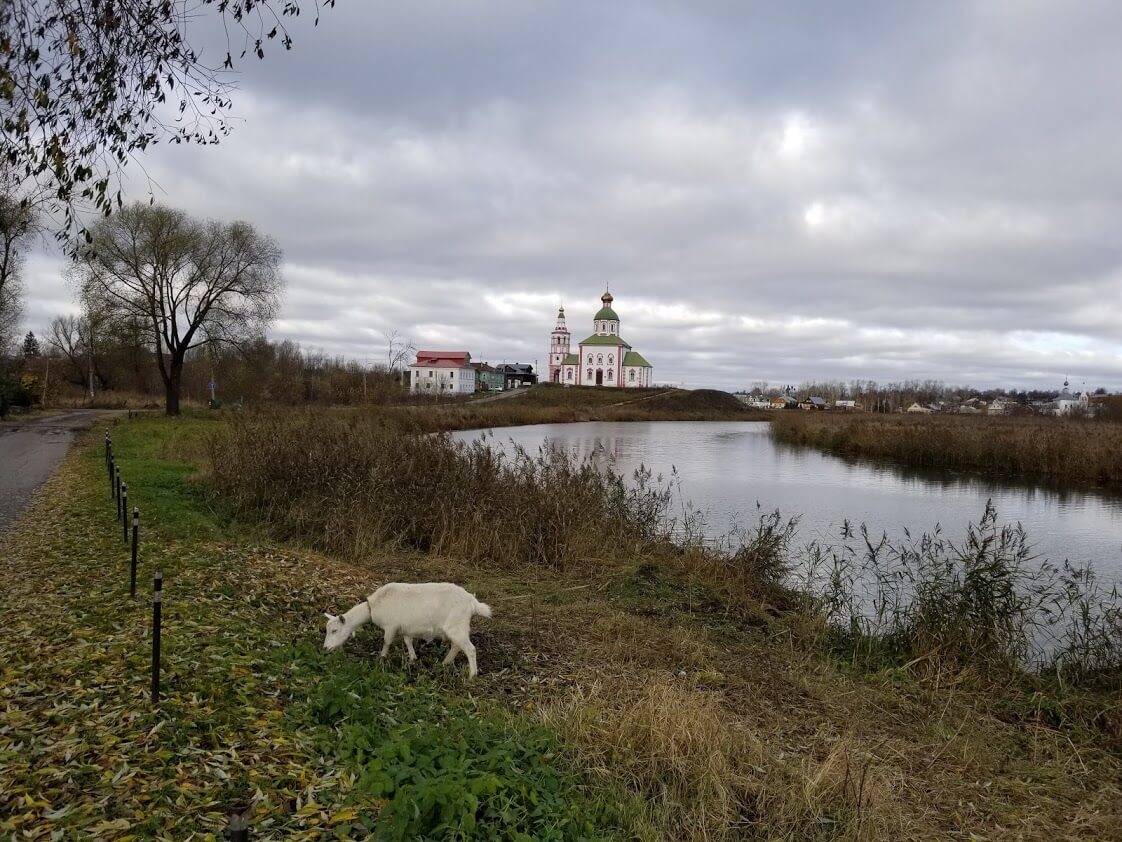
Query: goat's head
338, 630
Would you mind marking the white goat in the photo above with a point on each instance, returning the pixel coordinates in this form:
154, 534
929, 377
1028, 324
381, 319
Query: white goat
432, 610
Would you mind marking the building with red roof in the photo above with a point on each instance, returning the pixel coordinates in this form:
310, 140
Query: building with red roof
442, 373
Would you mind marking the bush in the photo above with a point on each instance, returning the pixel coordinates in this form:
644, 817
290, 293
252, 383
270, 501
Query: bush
357, 485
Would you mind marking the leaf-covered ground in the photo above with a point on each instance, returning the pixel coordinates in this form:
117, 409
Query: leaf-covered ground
254, 718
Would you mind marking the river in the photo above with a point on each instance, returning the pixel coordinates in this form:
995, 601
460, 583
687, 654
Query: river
726, 468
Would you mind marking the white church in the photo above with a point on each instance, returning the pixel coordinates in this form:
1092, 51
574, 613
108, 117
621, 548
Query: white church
603, 359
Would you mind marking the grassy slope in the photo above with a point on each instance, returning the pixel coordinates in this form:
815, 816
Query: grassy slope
545, 404
693, 718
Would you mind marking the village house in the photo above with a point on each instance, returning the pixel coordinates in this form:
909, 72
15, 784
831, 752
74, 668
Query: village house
919, 409
1000, 406
517, 374
783, 402
754, 401
848, 406
487, 378
442, 373
813, 403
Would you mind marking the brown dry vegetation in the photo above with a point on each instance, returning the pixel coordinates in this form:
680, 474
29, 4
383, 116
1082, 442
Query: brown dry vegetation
723, 705
545, 404
1054, 450
727, 729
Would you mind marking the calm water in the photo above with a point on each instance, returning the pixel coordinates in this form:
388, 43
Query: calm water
725, 468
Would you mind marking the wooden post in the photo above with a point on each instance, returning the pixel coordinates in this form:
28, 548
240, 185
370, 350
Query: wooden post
117, 481
125, 512
238, 831
157, 604
135, 545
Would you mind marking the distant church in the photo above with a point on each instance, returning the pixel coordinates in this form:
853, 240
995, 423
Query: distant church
603, 359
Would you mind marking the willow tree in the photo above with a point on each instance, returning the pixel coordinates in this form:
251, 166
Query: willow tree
189, 282
86, 85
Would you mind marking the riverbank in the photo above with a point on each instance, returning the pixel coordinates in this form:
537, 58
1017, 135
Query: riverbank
1054, 451
640, 692
549, 404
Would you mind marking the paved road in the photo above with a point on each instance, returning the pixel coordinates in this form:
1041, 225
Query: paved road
29, 453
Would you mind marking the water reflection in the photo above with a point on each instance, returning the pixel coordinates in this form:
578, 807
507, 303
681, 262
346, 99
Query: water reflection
727, 468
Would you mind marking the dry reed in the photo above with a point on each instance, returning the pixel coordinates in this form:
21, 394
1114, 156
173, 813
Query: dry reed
1054, 450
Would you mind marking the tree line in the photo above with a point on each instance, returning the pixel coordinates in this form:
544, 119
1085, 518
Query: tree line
61, 367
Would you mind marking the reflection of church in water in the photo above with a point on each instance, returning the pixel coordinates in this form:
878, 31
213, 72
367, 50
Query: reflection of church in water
603, 359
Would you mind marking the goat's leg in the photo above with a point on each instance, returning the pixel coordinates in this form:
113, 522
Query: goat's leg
465, 645
452, 653
390, 634
409, 647
469, 650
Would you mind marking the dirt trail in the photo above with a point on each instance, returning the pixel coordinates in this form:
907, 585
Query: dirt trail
31, 450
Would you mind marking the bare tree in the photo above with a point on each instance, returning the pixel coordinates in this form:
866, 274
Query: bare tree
398, 350
188, 282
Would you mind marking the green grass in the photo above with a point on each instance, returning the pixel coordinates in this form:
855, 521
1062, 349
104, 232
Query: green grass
255, 716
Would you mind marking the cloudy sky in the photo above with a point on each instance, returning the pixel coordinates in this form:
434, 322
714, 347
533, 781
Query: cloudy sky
775, 191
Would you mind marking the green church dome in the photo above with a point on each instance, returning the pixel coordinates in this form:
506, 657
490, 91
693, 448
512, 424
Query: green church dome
606, 312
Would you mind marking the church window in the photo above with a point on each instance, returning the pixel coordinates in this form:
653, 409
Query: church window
631, 376
590, 359
569, 374
590, 374
609, 374
599, 359
611, 359
613, 327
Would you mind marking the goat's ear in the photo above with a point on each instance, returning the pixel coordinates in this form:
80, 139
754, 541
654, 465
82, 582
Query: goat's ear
342, 619
328, 616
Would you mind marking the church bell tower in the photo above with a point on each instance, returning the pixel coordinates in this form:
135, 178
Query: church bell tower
558, 346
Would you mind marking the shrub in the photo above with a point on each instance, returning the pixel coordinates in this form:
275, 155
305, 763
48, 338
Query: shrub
358, 485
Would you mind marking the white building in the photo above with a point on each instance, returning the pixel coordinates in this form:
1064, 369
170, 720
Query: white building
603, 359
1067, 401
442, 373
755, 401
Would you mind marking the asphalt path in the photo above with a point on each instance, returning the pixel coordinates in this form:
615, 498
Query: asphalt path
31, 450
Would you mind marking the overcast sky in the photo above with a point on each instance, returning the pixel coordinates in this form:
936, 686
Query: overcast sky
775, 191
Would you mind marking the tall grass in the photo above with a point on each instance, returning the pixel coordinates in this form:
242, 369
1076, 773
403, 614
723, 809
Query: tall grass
1054, 450
987, 600
357, 485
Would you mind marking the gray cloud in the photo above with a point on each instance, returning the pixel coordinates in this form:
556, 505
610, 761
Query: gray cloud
774, 191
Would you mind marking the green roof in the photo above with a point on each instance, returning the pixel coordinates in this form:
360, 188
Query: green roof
606, 313
636, 359
571, 359
597, 339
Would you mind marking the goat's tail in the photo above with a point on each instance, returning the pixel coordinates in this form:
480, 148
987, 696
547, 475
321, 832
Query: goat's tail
482, 609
